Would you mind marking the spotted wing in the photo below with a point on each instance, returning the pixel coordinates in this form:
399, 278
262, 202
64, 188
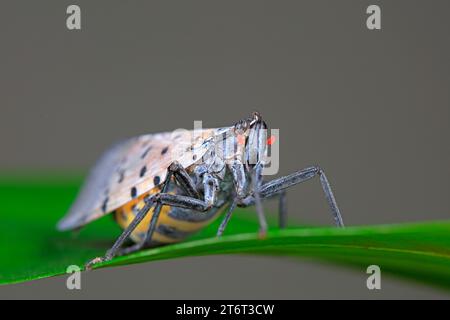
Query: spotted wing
132, 168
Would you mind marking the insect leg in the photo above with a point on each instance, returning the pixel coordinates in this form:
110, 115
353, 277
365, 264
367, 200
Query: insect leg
227, 217
123, 237
156, 212
256, 182
186, 183
237, 170
282, 210
184, 180
152, 226
276, 186
180, 201
175, 200
116, 248
164, 198
240, 182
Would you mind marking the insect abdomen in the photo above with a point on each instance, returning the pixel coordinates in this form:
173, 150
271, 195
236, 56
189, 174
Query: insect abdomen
174, 224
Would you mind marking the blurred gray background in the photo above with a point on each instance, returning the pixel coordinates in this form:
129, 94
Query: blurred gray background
370, 107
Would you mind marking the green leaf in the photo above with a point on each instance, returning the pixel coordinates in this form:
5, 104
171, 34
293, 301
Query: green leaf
31, 248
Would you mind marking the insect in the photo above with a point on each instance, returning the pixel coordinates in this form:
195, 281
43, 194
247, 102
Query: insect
164, 187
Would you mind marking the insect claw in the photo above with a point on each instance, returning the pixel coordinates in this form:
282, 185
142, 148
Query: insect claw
262, 234
89, 266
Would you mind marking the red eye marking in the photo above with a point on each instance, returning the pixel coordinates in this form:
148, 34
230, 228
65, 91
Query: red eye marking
241, 139
271, 140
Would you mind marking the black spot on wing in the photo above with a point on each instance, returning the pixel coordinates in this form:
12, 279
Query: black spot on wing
105, 204
156, 180
146, 151
133, 192
121, 176
164, 151
143, 171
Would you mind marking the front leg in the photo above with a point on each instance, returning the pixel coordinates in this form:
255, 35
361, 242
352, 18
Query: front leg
278, 186
241, 185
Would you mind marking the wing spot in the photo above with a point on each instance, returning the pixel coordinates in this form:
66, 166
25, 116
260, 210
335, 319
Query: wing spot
143, 171
156, 180
121, 176
133, 192
164, 151
194, 157
144, 154
105, 204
